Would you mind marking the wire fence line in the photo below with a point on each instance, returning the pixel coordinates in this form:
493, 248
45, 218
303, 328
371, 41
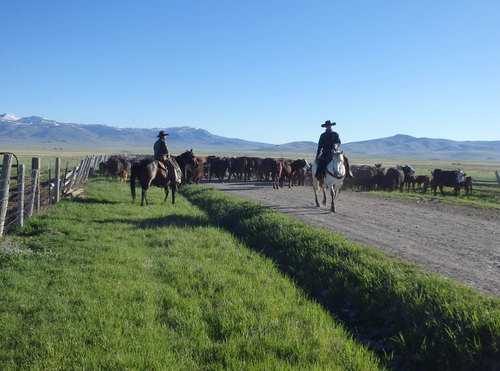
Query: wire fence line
24, 194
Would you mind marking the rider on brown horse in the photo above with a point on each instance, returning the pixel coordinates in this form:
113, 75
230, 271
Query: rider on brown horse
328, 142
163, 156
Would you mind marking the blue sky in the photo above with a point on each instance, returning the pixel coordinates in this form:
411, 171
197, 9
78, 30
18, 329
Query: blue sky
269, 71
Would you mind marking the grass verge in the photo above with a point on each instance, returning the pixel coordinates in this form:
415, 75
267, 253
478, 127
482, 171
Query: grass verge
101, 283
415, 320
485, 197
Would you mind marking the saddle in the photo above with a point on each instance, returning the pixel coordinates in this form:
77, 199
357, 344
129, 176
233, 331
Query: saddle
170, 164
161, 165
322, 161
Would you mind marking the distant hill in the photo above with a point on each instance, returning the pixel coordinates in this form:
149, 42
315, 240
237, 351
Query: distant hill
38, 132
16, 131
405, 146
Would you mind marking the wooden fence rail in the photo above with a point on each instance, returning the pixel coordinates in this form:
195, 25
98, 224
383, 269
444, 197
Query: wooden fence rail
20, 198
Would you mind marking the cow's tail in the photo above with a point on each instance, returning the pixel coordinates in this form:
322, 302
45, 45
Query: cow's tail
133, 175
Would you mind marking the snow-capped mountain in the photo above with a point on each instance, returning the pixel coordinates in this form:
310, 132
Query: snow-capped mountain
38, 132
16, 131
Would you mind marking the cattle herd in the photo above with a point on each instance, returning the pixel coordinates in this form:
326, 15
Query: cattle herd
280, 172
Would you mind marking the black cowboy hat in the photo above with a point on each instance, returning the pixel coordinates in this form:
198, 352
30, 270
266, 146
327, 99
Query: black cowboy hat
161, 134
328, 123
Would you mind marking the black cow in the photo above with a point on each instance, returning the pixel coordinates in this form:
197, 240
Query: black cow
237, 167
266, 169
118, 167
409, 172
394, 179
218, 167
448, 178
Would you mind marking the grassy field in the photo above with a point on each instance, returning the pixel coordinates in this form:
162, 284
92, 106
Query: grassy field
482, 196
488, 197
101, 283
414, 319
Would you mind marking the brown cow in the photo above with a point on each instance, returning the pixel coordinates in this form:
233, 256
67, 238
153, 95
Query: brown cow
468, 185
277, 173
420, 180
366, 177
194, 174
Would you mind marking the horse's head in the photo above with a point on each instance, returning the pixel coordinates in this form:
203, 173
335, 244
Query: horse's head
338, 163
189, 158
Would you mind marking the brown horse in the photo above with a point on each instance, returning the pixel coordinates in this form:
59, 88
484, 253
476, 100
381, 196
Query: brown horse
151, 172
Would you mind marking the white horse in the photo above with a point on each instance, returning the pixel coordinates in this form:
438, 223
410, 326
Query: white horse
335, 174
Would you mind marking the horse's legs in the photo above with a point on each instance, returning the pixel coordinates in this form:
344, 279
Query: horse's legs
332, 193
166, 193
315, 194
144, 197
324, 195
173, 193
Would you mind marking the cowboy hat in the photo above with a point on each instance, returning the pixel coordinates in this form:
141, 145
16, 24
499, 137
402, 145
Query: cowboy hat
161, 134
328, 123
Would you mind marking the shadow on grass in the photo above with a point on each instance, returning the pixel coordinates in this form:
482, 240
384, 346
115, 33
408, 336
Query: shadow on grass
94, 201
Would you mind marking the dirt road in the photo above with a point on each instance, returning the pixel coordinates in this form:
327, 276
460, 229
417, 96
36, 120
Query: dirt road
453, 241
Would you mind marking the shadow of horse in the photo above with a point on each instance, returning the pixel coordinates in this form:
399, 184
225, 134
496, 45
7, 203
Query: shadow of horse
150, 172
93, 201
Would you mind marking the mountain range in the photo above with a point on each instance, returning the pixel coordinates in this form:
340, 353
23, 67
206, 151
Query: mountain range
38, 132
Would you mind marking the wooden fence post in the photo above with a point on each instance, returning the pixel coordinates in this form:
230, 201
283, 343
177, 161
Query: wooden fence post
72, 178
34, 186
498, 177
4, 189
81, 169
35, 165
50, 177
64, 179
58, 180
20, 194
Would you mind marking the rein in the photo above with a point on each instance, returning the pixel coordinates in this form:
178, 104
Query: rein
335, 176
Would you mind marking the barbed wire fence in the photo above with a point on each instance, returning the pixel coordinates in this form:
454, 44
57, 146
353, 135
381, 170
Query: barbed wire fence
22, 195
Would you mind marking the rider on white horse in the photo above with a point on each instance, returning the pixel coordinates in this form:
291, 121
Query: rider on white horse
328, 141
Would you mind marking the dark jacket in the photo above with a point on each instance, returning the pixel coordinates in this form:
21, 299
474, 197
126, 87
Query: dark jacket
327, 142
160, 150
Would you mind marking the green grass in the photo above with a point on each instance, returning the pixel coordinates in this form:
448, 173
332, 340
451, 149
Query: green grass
101, 283
421, 321
487, 197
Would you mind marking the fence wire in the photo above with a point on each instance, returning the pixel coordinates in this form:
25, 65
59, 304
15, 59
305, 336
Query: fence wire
40, 190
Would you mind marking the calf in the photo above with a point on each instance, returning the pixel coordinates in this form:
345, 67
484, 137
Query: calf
420, 180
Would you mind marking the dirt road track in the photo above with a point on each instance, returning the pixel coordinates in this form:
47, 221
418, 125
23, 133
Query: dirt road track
453, 241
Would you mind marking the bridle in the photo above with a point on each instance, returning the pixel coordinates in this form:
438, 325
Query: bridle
336, 176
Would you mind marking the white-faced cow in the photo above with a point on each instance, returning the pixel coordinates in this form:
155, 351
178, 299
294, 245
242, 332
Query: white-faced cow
448, 178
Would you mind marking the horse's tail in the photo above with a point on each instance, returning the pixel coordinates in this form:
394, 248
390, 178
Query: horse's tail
133, 175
